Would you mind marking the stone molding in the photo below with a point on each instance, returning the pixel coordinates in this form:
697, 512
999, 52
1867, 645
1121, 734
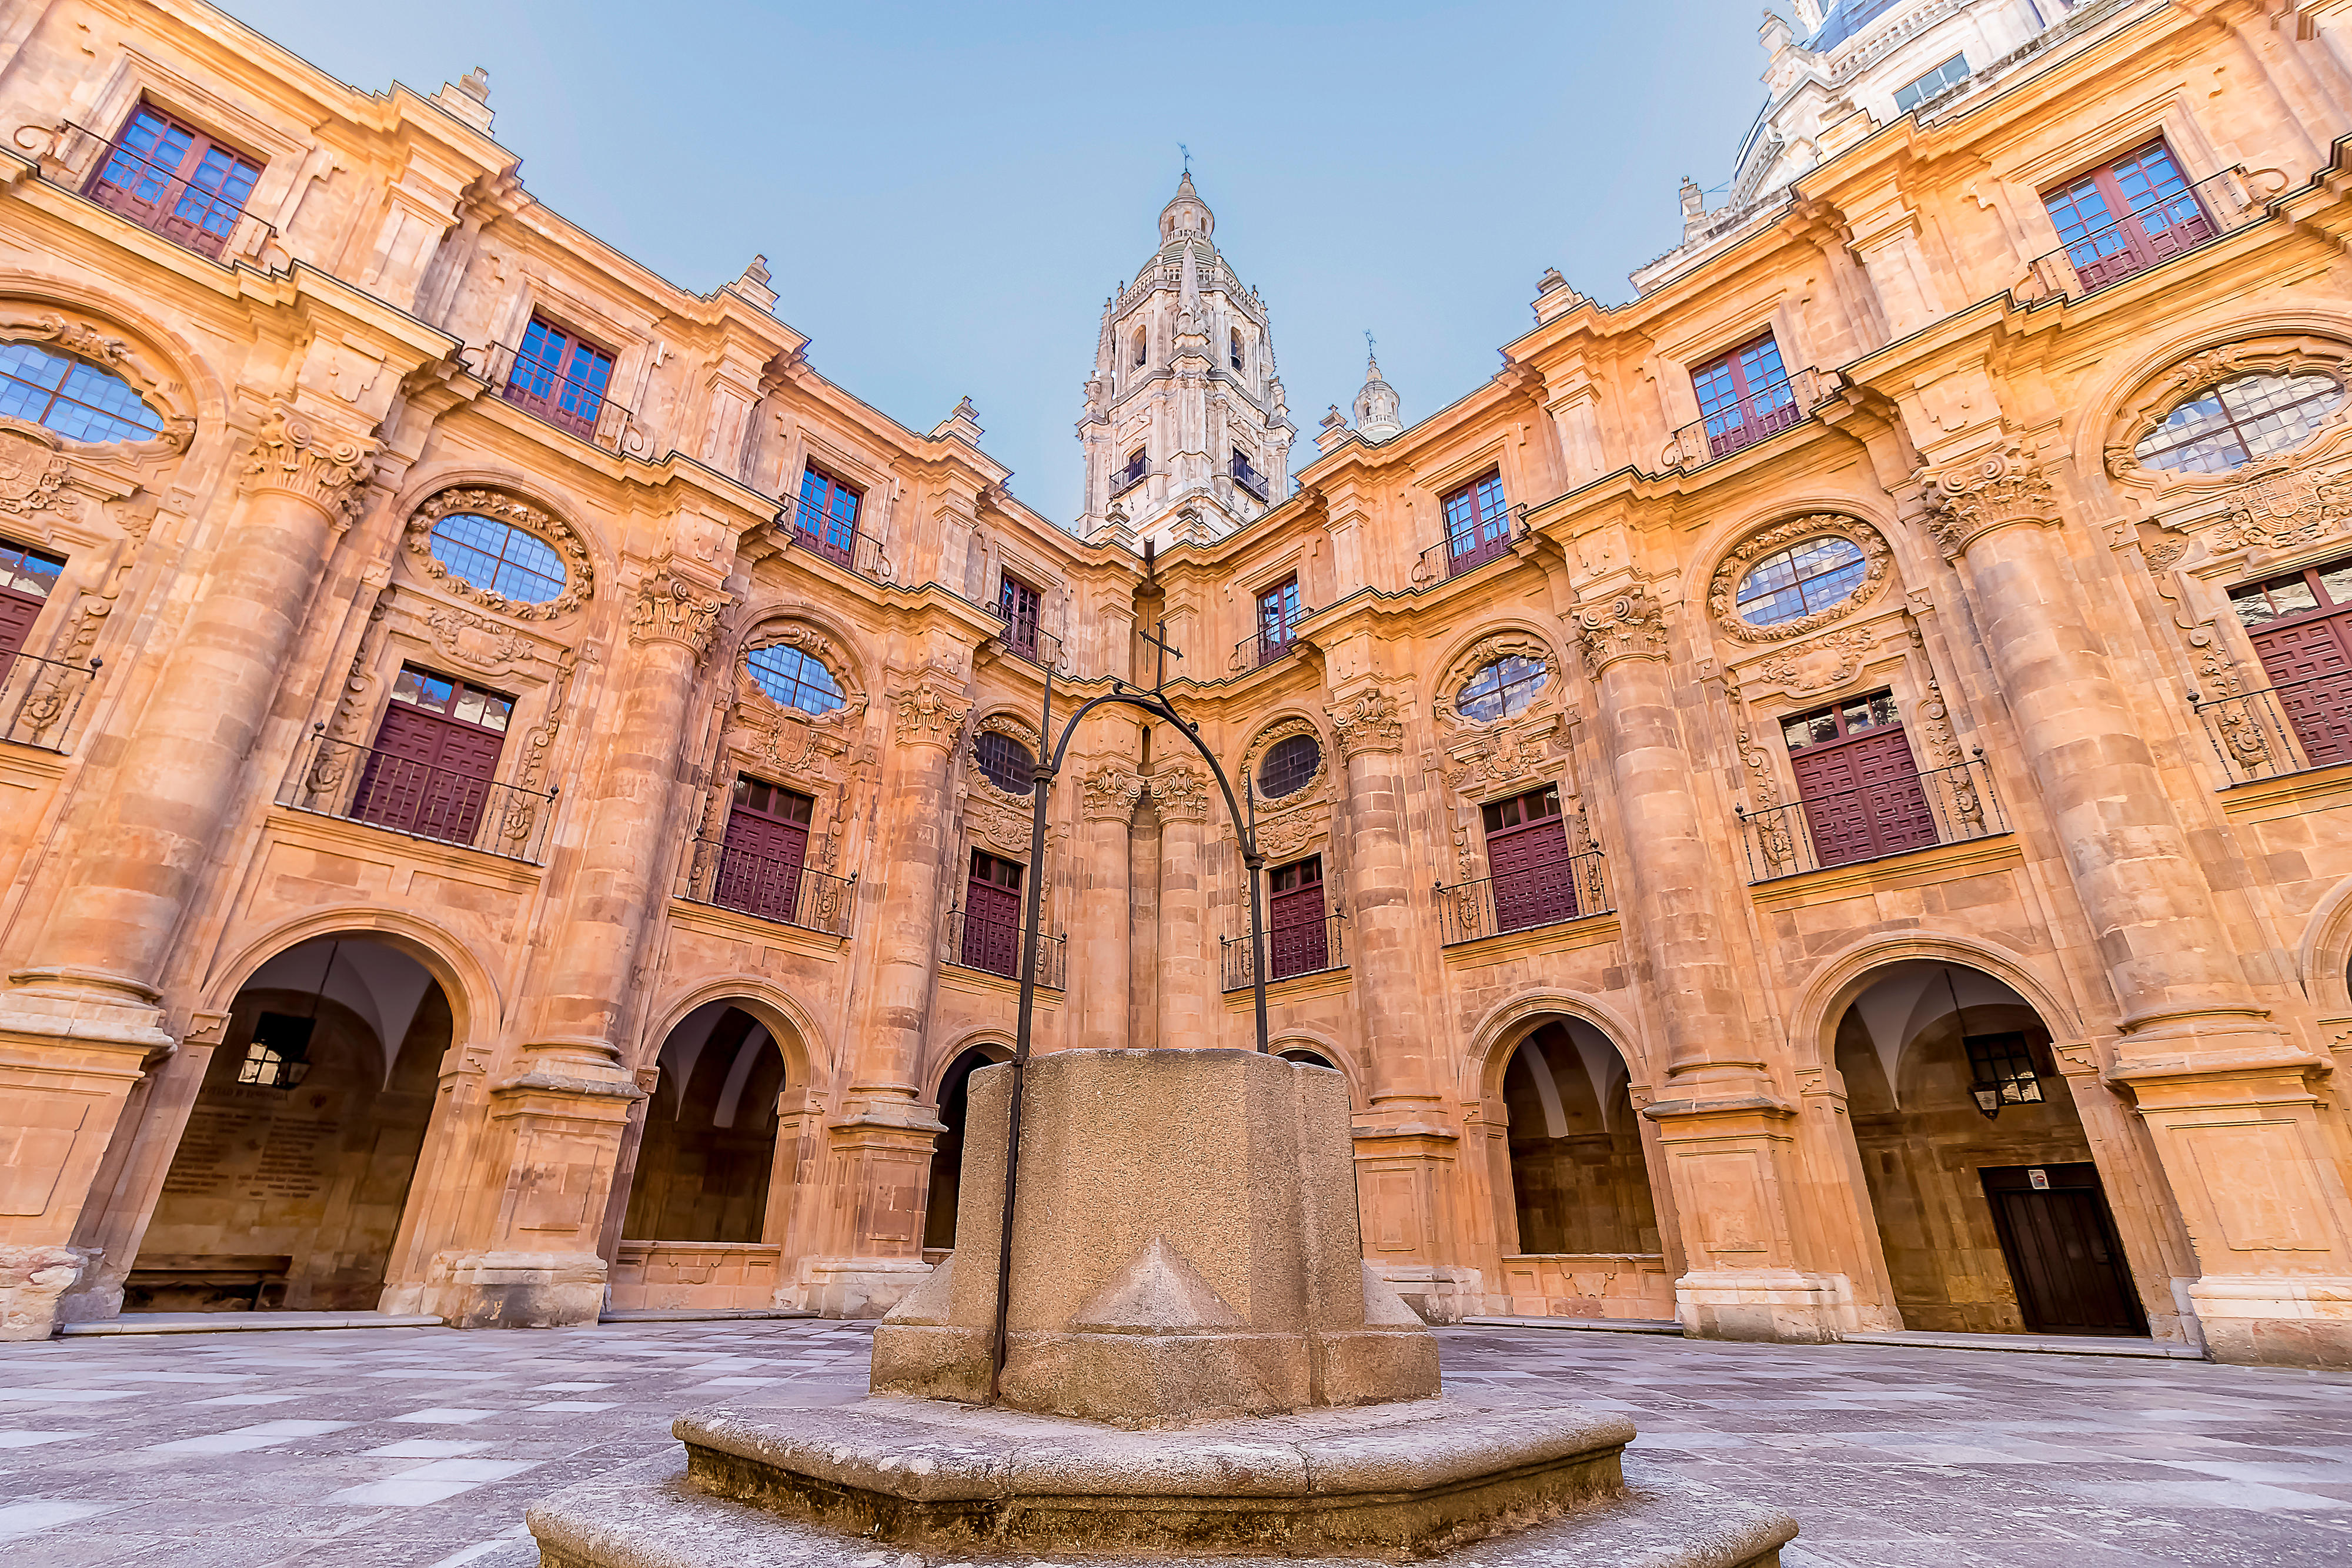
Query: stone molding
1445, 706
1969, 500
1630, 626
2198, 373
1180, 793
579, 576
33, 474
326, 468
927, 714
1109, 794
1878, 560
1371, 721
752, 696
674, 609
1267, 738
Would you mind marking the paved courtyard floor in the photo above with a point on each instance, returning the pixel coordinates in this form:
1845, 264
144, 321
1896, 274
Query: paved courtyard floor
420, 1448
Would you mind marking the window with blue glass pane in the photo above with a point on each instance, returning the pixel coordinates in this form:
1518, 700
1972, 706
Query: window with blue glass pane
1502, 689
2231, 424
828, 510
794, 679
1804, 579
1951, 72
497, 557
72, 397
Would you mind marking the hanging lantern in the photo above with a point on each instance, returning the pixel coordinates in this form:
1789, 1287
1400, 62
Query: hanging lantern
280, 1056
2000, 1066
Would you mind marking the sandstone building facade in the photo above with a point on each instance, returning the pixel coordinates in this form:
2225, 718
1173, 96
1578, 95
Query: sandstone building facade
1815, 800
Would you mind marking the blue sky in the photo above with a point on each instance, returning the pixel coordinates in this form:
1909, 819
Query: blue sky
946, 194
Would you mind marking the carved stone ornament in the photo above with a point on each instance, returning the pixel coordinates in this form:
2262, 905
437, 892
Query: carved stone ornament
1272, 735
1969, 500
1370, 722
1286, 837
1630, 625
32, 474
1003, 828
1180, 793
1877, 557
928, 715
1012, 729
579, 575
1109, 793
2279, 506
670, 608
752, 698
1822, 664
481, 645
324, 467
2199, 373
87, 342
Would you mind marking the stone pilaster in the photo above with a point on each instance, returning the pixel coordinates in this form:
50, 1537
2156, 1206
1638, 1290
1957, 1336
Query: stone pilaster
1188, 983
1107, 801
2252, 1148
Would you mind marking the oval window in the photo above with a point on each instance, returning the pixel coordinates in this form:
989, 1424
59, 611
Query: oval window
1006, 761
1804, 579
72, 397
1289, 766
1503, 688
794, 679
2231, 424
499, 558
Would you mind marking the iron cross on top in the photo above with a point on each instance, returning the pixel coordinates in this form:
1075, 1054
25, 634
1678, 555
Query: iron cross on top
1160, 642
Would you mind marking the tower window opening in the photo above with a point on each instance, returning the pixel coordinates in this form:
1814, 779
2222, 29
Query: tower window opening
1233, 352
1142, 351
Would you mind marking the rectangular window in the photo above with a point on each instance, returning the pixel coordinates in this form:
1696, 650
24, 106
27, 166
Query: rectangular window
1744, 397
2301, 626
561, 377
1277, 619
766, 850
430, 772
1017, 603
1128, 477
1247, 476
168, 176
1858, 780
26, 577
826, 519
2125, 216
1233, 348
1528, 857
991, 916
1951, 72
1298, 931
1477, 525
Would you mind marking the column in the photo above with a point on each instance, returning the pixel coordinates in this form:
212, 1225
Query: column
1187, 948
1729, 1142
81, 1021
2252, 1150
1406, 1149
879, 1142
531, 1253
1100, 942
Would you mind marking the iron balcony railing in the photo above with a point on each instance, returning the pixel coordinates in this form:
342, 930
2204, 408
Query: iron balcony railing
993, 947
807, 526
154, 196
2278, 729
772, 887
1524, 900
1024, 639
1250, 479
573, 406
2219, 204
40, 698
1949, 805
1312, 947
1128, 477
1457, 553
360, 784
1767, 410
1267, 644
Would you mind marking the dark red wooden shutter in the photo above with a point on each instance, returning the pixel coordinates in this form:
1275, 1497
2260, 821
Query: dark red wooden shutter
2308, 663
17, 613
1862, 797
1534, 876
1297, 930
761, 862
992, 917
174, 179
428, 774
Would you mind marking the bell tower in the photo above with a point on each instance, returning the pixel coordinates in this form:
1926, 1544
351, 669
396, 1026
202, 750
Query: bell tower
1186, 432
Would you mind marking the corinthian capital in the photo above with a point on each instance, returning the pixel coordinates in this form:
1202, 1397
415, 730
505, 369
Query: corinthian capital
1629, 624
1370, 721
670, 608
1180, 793
928, 713
323, 466
1108, 794
1969, 500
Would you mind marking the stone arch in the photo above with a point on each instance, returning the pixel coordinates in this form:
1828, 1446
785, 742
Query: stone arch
2133, 390
2325, 955
1836, 980
1509, 1022
709, 1173
1300, 1037
798, 1038
506, 500
476, 1008
945, 1079
71, 318
941, 1057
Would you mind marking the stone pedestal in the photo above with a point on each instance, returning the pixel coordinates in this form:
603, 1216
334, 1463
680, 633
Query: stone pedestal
1184, 1245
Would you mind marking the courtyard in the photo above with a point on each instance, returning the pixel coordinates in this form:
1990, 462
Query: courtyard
421, 1448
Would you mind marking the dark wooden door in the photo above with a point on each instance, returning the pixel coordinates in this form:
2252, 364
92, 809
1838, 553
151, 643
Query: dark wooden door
765, 852
991, 916
1299, 932
2309, 664
1528, 857
1862, 797
2062, 1254
430, 772
17, 613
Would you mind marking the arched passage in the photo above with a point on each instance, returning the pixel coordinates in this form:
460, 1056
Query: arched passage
946, 1153
288, 1185
1588, 1240
1990, 1223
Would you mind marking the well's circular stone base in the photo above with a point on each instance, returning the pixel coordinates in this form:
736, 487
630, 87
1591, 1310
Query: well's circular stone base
1406, 1479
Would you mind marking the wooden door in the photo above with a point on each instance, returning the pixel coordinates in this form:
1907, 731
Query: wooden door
2062, 1254
1862, 797
991, 916
765, 852
1528, 858
826, 520
2309, 664
1299, 932
430, 771
175, 180
17, 613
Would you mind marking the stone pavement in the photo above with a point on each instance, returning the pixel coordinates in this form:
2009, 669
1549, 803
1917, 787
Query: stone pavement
420, 1448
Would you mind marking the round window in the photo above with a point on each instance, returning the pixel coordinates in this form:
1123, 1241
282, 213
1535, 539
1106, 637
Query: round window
2231, 424
1289, 764
1006, 761
794, 679
1804, 579
72, 397
1503, 688
497, 557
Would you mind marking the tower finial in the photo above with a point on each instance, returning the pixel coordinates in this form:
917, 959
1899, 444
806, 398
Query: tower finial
1188, 156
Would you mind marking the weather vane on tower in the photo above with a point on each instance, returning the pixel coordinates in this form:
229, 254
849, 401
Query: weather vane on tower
1188, 156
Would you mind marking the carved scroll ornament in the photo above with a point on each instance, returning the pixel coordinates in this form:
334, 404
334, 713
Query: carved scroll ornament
579, 575
1722, 602
32, 474
1969, 500
1109, 793
926, 714
1371, 721
324, 467
1629, 625
671, 609
1180, 793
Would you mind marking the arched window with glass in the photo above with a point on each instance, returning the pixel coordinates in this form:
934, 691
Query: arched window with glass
497, 557
794, 679
1502, 688
2240, 421
72, 397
